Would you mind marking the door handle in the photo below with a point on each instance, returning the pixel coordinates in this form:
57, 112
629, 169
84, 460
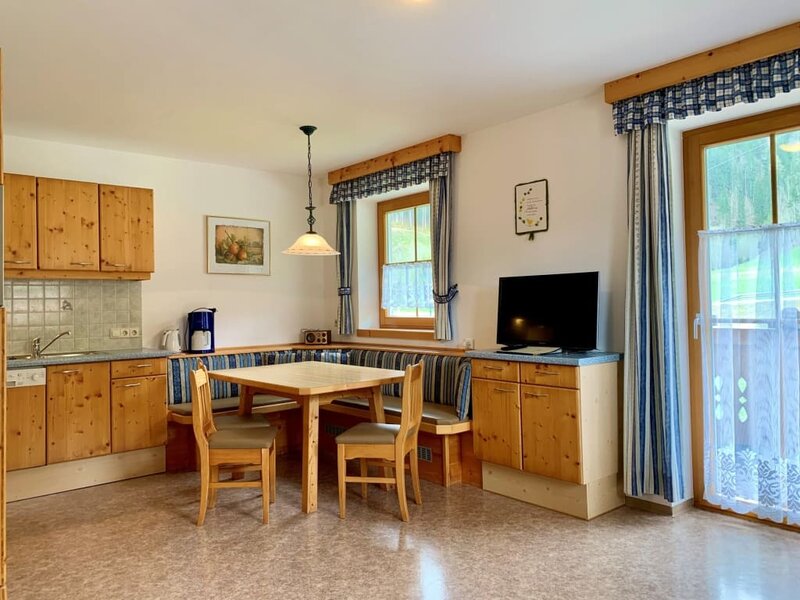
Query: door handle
70, 371
132, 385
142, 366
698, 320
532, 395
116, 265
503, 390
18, 262
81, 264
489, 368
546, 373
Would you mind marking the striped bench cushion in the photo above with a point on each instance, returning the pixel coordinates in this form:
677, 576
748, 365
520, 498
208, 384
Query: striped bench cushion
446, 379
437, 414
178, 374
229, 404
279, 357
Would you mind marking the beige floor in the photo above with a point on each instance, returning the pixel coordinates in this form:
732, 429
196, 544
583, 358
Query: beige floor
137, 540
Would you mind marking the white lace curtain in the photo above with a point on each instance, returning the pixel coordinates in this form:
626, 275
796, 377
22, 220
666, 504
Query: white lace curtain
750, 296
407, 285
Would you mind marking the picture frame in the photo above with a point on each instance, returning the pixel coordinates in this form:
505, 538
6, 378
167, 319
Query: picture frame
532, 208
237, 246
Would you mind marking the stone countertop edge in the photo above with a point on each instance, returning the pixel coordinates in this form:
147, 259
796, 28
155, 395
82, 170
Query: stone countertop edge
97, 356
574, 359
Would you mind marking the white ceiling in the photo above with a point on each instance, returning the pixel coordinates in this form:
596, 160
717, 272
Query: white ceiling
228, 81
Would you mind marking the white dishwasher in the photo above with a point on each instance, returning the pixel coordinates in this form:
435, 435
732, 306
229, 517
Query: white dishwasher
17, 378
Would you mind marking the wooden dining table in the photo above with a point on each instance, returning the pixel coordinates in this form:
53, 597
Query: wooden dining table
311, 384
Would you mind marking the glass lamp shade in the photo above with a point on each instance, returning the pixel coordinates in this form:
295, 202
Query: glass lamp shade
311, 244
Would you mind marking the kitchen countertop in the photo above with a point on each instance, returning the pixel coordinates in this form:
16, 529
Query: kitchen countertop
575, 359
98, 356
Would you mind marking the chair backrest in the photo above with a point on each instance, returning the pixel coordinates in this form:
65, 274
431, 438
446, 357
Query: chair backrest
411, 415
202, 417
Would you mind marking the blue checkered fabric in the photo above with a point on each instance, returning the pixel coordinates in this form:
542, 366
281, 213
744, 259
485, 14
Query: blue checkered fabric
446, 379
744, 84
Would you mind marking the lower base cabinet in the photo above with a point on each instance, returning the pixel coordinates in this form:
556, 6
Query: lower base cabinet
25, 427
78, 411
138, 413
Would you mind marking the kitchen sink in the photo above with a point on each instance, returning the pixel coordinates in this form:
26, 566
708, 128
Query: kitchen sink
51, 355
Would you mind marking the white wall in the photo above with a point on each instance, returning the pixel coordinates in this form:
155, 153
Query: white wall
251, 309
572, 146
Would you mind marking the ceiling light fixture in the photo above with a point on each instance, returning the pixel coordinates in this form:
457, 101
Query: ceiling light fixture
310, 243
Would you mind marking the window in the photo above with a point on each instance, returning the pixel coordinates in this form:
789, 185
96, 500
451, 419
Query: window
404, 263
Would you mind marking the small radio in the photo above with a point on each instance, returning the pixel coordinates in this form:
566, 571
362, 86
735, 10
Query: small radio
315, 337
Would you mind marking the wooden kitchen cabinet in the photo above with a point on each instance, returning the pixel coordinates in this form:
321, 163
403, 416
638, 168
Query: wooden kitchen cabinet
126, 229
496, 422
551, 437
67, 224
138, 413
25, 427
19, 245
78, 411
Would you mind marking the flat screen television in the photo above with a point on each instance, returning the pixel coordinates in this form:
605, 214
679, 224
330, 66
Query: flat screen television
548, 310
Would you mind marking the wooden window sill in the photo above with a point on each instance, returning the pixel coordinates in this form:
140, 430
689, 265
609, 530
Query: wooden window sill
404, 334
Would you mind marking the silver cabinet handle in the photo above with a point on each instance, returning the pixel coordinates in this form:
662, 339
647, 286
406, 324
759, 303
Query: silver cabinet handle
504, 391
18, 262
142, 366
69, 372
132, 385
547, 373
532, 395
81, 264
117, 265
488, 368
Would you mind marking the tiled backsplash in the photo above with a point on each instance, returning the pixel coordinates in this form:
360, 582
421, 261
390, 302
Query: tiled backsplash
89, 309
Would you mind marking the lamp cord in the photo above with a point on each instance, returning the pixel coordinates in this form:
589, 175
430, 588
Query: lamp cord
311, 220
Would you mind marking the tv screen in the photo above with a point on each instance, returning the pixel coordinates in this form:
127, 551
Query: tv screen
548, 310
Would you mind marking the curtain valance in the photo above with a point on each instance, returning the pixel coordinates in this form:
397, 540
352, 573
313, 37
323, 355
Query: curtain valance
747, 83
393, 178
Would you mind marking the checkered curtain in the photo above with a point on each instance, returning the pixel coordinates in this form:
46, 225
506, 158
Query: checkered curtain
344, 271
747, 83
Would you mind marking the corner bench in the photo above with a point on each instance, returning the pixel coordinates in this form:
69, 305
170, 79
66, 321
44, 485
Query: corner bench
446, 412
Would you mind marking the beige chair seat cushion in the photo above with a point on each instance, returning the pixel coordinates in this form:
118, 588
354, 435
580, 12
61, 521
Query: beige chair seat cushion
437, 414
236, 421
232, 403
369, 433
238, 438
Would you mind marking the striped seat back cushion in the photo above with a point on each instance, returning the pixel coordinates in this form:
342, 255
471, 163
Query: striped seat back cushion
279, 357
446, 378
178, 374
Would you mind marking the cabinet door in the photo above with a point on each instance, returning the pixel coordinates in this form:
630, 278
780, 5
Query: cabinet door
19, 220
69, 235
78, 412
25, 427
126, 229
496, 422
551, 437
138, 413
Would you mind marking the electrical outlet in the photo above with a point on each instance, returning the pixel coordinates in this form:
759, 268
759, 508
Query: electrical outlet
469, 343
125, 332
135, 332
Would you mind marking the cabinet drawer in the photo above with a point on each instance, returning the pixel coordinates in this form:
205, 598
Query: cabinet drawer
502, 370
138, 367
138, 413
552, 375
551, 436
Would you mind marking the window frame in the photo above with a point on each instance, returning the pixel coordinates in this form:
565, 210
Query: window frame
384, 207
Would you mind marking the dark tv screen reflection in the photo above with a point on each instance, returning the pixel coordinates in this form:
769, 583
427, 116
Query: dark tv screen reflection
548, 310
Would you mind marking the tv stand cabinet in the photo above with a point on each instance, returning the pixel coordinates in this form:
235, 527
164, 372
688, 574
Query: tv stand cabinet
546, 429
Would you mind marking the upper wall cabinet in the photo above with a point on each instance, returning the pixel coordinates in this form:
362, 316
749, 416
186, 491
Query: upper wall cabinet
20, 249
76, 230
126, 229
68, 213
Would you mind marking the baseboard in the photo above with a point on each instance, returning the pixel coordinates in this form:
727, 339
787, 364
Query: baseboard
657, 508
76, 474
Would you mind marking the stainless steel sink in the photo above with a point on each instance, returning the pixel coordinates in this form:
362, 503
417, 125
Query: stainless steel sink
51, 355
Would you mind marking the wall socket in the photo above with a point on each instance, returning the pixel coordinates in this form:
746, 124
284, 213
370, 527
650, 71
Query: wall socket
124, 332
469, 343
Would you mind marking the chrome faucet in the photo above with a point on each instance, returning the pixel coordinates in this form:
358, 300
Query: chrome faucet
37, 350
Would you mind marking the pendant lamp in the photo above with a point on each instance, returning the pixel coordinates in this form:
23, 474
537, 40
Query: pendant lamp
310, 243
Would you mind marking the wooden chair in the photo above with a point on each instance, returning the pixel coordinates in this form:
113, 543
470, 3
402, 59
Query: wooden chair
238, 448
388, 444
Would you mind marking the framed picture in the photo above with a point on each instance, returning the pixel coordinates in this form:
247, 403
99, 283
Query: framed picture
237, 246
532, 207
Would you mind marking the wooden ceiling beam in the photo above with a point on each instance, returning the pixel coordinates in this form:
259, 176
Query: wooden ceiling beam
445, 143
757, 47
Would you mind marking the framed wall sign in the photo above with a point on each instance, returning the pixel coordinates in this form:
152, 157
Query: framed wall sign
531, 205
238, 246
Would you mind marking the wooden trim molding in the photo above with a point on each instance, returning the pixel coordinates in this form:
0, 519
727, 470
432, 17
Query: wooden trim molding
63, 274
445, 143
757, 47
402, 334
